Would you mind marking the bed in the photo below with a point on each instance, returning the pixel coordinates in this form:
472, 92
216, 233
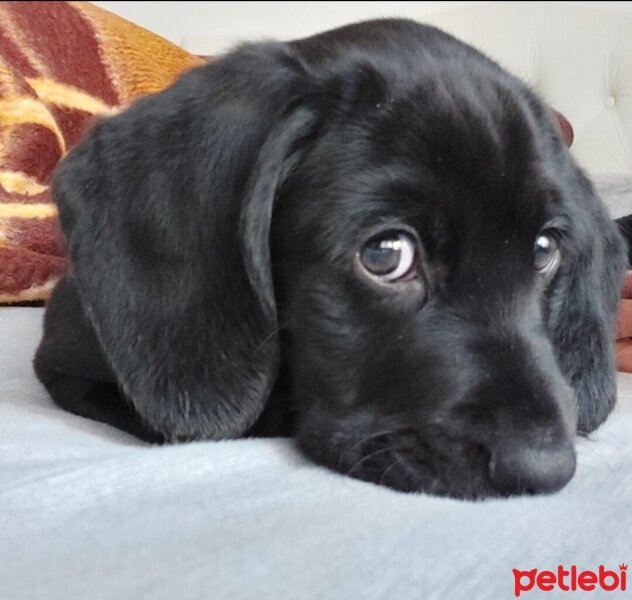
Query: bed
88, 512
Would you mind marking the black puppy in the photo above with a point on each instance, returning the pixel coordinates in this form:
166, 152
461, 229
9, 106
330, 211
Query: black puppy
373, 239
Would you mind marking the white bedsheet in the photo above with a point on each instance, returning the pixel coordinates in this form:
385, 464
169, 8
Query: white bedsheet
88, 512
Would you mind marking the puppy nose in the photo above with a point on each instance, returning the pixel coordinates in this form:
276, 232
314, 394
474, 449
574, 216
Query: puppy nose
520, 469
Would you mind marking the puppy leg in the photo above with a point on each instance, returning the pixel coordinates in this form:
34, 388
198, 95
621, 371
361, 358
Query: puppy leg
70, 364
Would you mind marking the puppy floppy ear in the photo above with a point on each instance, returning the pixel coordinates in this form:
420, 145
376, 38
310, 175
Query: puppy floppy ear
583, 302
167, 209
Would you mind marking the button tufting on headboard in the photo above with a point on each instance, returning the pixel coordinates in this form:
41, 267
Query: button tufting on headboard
578, 59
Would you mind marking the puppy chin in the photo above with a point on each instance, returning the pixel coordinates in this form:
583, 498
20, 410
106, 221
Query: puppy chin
388, 451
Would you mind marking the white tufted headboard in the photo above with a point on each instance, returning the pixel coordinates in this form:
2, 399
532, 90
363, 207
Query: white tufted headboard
578, 59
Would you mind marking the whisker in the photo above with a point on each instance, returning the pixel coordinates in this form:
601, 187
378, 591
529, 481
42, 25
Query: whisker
367, 457
396, 462
363, 441
268, 337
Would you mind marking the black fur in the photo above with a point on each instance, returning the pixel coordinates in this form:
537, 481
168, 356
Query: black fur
214, 290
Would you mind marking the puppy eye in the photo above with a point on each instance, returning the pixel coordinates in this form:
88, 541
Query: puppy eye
546, 253
390, 257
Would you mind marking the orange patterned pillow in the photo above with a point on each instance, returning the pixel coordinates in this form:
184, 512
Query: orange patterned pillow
61, 64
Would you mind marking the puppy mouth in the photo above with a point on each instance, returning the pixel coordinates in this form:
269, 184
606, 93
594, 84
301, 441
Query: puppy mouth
407, 460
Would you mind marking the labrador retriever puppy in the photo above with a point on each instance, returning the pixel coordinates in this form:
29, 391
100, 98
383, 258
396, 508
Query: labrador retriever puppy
373, 240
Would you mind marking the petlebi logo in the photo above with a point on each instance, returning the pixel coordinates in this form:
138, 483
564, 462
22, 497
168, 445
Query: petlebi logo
571, 579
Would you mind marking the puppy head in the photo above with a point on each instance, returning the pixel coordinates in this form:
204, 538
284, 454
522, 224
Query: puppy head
402, 211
